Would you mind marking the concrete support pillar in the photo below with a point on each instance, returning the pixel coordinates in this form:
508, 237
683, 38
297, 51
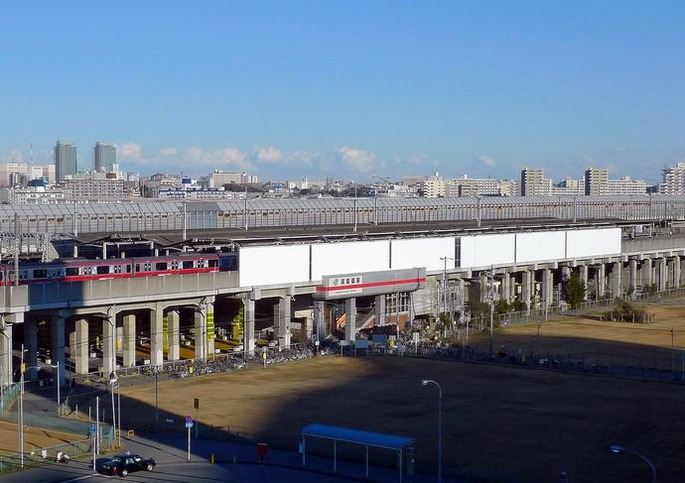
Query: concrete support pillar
379, 310
156, 335
632, 266
319, 321
80, 349
282, 310
506, 287
57, 345
173, 335
600, 279
248, 328
679, 278
108, 345
129, 323
350, 318
200, 324
675, 271
662, 275
616, 285
6, 369
211, 332
526, 288
583, 274
546, 288
31, 346
647, 272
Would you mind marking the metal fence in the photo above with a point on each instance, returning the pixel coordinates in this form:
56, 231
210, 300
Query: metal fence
45, 456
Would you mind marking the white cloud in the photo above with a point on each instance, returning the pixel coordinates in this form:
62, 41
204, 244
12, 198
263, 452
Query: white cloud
357, 158
169, 151
268, 154
487, 161
130, 151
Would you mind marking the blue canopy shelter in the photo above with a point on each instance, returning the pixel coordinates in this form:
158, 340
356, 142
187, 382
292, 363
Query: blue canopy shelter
400, 444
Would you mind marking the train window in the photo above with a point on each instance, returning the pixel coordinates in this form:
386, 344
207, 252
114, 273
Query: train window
72, 271
102, 269
161, 266
213, 263
187, 264
40, 273
128, 268
23, 275
175, 265
137, 267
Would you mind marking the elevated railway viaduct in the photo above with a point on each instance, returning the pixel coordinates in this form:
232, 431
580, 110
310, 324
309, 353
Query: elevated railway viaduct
299, 278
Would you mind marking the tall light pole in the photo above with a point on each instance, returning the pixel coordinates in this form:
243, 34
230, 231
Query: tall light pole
618, 449
112, 382
21, 410
425, 382
491, 296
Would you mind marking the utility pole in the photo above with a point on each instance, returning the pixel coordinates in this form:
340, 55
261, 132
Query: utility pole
491, 297
444, 283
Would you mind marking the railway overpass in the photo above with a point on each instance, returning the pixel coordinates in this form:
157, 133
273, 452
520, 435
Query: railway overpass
303, 263
297, 284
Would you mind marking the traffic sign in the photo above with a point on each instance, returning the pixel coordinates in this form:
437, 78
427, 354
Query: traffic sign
189, 419
93, 428
189, 425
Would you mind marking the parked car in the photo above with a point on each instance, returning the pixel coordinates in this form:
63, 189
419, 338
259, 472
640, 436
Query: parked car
124, 464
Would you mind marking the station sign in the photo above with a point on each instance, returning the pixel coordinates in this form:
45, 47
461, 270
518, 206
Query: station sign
347, 285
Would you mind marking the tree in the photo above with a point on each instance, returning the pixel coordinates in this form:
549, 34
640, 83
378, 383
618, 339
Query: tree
575, 291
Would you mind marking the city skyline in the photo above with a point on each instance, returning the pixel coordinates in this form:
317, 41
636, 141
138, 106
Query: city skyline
352, 90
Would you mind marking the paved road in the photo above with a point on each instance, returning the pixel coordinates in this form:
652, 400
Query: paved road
232, 462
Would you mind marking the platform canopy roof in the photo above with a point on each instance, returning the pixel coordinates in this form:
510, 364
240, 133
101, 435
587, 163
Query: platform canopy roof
366, 438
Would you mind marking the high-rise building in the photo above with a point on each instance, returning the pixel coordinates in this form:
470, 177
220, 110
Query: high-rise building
674, 180
104, 156
596, 181
65, 160
533, 182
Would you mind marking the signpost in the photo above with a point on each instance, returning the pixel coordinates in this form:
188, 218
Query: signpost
189, 426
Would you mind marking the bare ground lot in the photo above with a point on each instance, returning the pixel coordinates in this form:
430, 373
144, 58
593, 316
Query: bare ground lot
500, 423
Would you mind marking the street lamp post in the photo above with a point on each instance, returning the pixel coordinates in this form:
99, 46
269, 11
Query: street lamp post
112, 383
618, 449
425, 382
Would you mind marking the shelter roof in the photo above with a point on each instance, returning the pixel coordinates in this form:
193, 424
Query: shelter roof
378, 440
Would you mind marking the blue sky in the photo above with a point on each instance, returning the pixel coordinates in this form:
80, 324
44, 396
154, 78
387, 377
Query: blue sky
348, 89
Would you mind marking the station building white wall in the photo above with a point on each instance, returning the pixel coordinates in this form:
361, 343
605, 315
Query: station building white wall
540, 246
592, 243
349, 257
485, 250
422, 252
269, 265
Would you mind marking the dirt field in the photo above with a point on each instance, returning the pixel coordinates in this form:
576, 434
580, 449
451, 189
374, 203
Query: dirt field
500, 423
33, 438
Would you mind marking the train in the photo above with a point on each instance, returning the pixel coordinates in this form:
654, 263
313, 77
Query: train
83, 270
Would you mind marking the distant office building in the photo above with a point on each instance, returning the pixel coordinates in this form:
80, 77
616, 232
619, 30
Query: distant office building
596, 181
673, 180
94, 186
65, 160
569, 186
625, 186
104, 156
435, 187
20, 174
533, 182
219, 179
465, 186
